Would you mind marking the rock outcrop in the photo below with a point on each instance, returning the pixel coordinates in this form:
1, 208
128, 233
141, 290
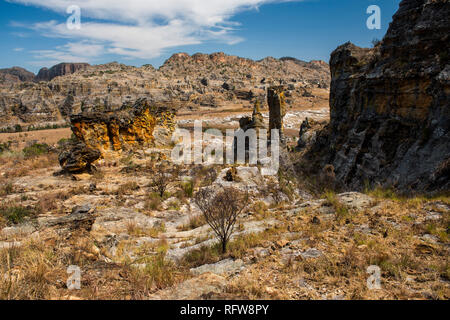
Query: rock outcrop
133, 126
390, 114
78, 158
59, 70
277, 109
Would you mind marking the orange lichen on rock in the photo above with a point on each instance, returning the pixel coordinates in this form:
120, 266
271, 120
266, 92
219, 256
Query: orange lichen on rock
126, 129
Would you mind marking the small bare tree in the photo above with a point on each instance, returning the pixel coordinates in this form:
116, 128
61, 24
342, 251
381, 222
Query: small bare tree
221, 210
163, 175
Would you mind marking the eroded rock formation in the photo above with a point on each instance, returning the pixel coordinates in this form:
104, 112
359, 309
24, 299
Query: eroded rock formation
277, 109
133, 126
390, 106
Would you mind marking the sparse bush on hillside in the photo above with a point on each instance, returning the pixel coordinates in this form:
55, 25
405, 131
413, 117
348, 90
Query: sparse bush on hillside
153, 202
6, 188
221, 210
35, 150
4, 147
204, 175
127, 188
342, 211
15, 214
188, 188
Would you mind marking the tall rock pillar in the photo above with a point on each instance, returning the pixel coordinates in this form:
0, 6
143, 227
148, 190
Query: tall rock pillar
277, 109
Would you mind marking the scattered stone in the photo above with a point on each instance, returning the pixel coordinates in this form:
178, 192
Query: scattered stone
92, 187
85, 209
282, 243
315, 220
430, 238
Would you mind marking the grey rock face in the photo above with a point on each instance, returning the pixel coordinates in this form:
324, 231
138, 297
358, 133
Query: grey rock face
390, 115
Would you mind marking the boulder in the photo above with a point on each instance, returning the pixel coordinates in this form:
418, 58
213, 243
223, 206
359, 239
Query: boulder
78, 158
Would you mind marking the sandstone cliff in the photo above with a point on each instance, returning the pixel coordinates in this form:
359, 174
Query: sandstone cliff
390, 106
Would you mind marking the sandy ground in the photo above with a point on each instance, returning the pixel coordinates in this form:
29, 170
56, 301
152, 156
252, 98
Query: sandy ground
19, 140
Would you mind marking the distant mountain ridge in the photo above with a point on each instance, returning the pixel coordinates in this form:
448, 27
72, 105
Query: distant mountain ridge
18, 74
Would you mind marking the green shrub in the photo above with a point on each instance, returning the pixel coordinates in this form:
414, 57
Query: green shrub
15, 214
188, 188
6, 188
18, 128
342, 211
153, 202
35, 150
4, 147
161, 271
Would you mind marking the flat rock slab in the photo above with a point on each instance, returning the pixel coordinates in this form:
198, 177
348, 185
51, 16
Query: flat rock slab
198, 288
18, 231
228, 266
117, 220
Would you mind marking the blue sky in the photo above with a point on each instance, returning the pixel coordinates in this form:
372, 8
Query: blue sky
136, 32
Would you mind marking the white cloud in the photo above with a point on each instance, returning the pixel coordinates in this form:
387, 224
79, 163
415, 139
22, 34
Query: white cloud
141, 28
71, 52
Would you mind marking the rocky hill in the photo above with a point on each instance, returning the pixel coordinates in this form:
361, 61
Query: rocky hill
184, 81
59, 70
390, 119
15, 74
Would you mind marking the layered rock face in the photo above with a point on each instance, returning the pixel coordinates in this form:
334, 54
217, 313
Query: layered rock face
390, 106
59, 70
132, 127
